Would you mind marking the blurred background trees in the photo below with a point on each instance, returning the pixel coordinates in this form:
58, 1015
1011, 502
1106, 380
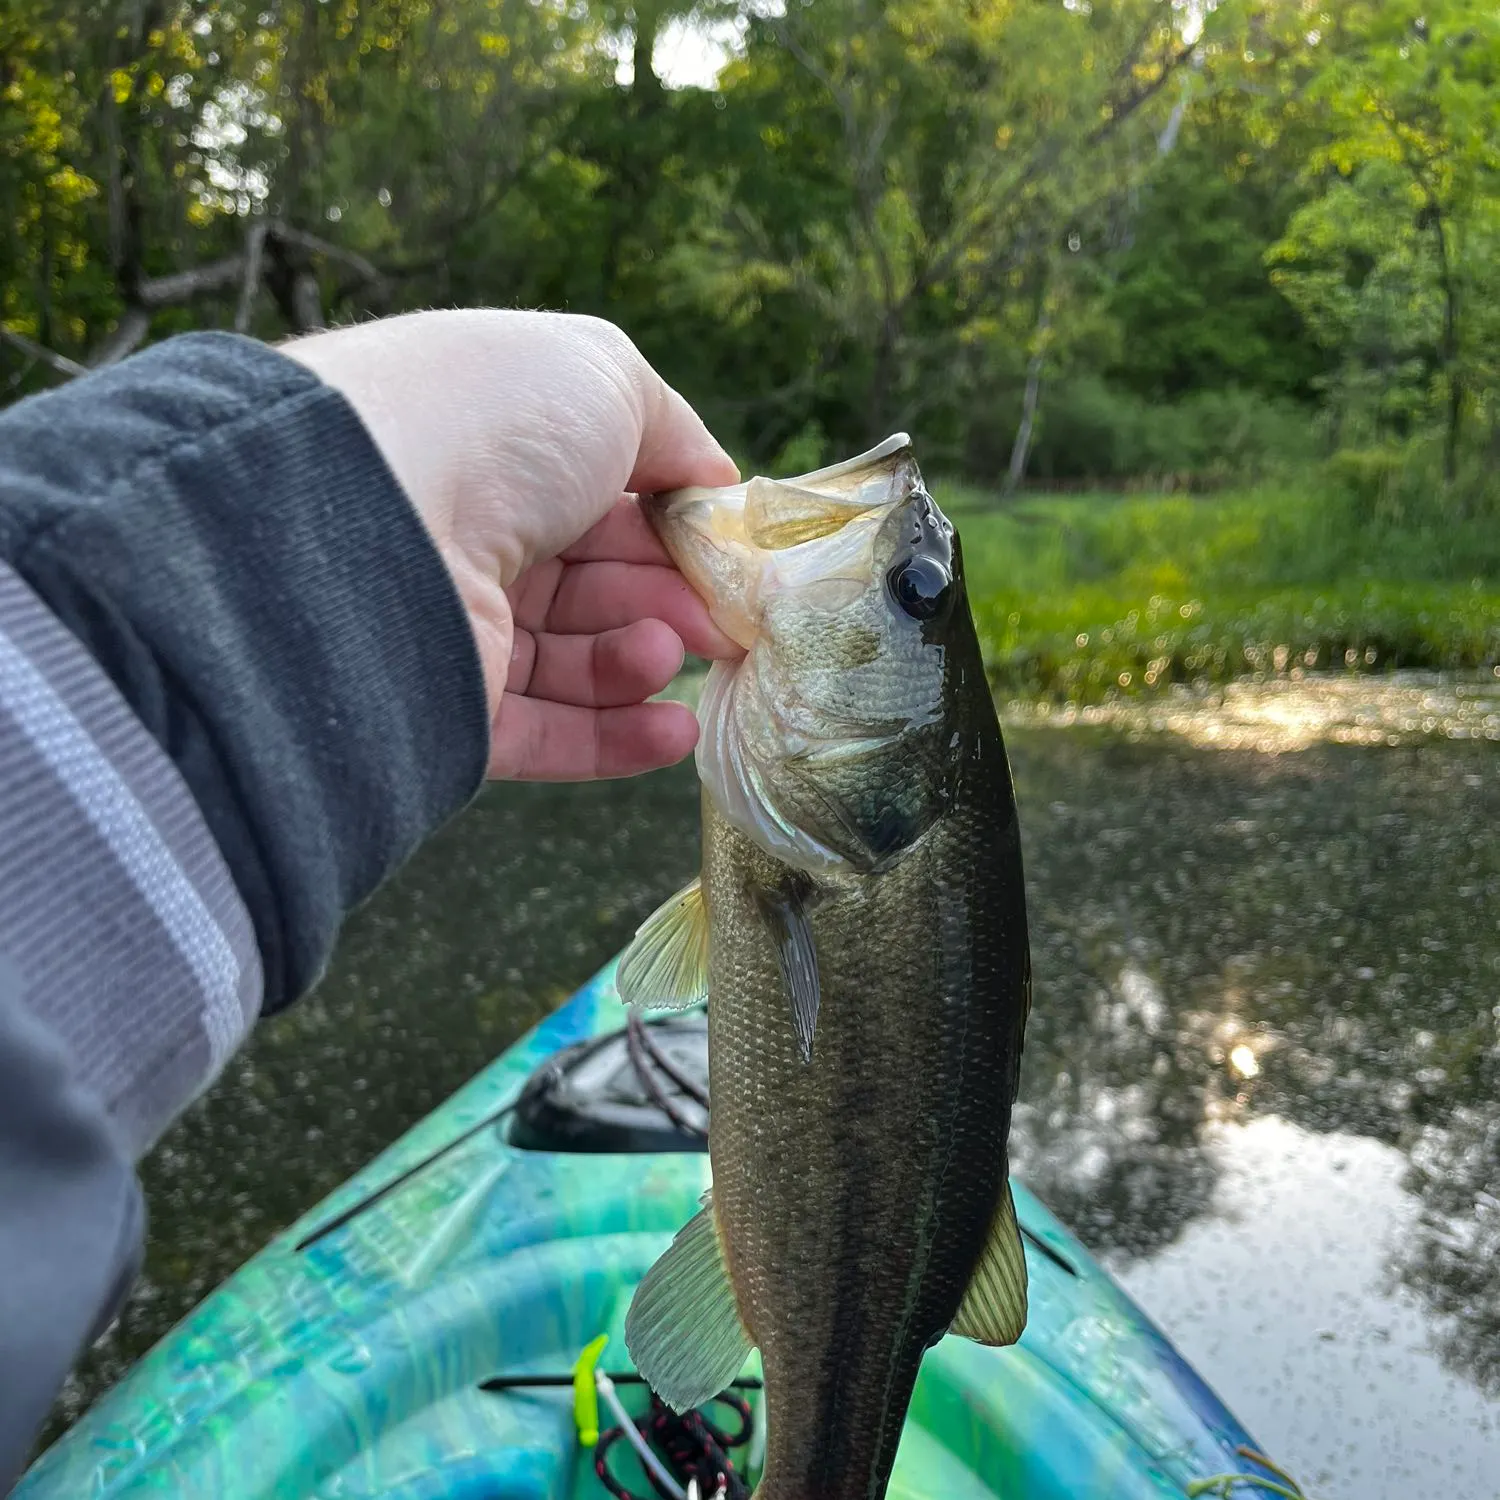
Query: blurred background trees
1065, 240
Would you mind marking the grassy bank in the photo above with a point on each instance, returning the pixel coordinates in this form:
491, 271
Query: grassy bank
1083, 597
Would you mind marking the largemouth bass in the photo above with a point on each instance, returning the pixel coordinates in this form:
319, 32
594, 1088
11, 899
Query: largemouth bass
859, 929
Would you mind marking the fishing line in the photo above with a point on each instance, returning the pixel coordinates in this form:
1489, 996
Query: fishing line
533, 1085
694, 1451
339, 1220
639, 1046
626, 1377
1222, 1485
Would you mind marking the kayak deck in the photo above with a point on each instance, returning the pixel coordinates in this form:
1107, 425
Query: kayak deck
347, 1358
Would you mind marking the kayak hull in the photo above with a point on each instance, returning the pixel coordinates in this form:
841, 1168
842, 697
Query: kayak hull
346, 1359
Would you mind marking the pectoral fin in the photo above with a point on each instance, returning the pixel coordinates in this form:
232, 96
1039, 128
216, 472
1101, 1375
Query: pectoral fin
683, 1329
994, 1308
785, 916
782, 515
666, 967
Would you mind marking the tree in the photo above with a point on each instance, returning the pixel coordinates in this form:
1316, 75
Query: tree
193, 157
1190, 290
1391, 257
909, 177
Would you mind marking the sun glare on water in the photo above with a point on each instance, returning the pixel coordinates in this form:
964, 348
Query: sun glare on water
1242, 1061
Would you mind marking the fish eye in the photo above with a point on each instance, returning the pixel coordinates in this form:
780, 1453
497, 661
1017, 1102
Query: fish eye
920, 586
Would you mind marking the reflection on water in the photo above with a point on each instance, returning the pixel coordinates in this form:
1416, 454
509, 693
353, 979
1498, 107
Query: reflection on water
1291, 713
1452, 1256
1310, 941
1282, 1295
1298, 952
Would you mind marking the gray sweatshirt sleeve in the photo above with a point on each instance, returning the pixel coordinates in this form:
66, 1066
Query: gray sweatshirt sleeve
128, 973
218, 529
237, 689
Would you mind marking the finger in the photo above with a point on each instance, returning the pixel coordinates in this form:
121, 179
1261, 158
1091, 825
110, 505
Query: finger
531, 594
675, 448
622, 535
606, 670
592, 597
534, 740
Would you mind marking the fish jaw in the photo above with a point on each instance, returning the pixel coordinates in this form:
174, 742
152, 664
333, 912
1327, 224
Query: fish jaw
700, 530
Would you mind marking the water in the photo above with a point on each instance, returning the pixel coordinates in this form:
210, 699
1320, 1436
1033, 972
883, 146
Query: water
1262, 1078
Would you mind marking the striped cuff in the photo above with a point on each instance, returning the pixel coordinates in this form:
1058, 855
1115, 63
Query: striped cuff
116, 909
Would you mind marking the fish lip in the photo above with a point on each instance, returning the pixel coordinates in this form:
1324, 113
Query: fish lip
889, 453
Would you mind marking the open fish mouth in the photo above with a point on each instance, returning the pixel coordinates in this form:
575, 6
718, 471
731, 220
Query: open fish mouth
813, 533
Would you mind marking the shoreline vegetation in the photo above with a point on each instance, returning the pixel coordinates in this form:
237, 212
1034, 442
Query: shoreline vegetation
1236, 269
1090, 598
1146, 605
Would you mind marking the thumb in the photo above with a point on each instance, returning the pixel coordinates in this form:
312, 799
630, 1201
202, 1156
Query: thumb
676, 448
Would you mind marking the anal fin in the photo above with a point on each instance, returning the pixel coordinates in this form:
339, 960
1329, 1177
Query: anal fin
666, 966
683, 1329
994, 1308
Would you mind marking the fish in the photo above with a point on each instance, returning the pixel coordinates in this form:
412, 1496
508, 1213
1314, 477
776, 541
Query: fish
858, 930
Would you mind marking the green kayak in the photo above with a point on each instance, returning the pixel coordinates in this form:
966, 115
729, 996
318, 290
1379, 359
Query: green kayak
415, 1335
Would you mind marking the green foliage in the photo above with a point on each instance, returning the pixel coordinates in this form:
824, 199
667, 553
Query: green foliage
1400, 486
1093, 430
1195, 306
1057, 239
1393, 259
1087, 598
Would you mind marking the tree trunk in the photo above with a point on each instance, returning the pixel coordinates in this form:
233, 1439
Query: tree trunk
1450, 349
1455, 422
645, 86
255, 245
1021, 449
883, 381
307, 302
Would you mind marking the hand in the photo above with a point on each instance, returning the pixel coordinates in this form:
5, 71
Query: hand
519, 438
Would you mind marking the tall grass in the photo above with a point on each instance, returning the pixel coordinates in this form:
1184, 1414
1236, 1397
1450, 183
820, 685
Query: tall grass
1089, 596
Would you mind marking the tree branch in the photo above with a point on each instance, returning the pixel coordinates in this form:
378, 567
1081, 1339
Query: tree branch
255, 244
59, 364
1132, 102
183, 286
243, 269
983, 220
301, 238
134, 324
